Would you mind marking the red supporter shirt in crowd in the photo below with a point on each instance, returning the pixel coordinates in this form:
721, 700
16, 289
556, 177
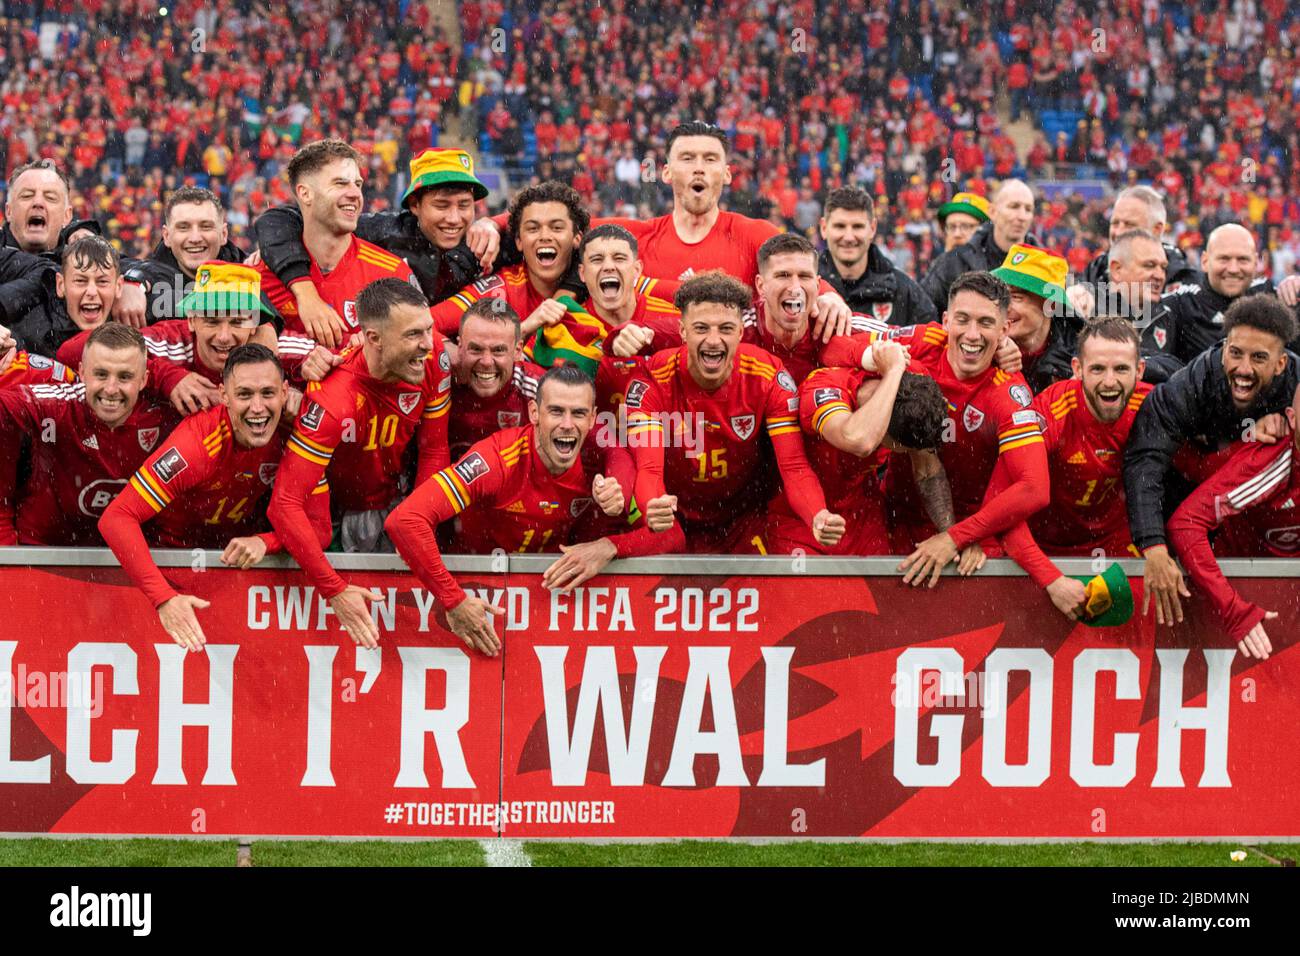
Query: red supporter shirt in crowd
29, 369
362, 264
353, 429
506, 499
78, 464
848, 481
204, 490
1085, 457
1259, 487
714, 461
991, 421
474, 419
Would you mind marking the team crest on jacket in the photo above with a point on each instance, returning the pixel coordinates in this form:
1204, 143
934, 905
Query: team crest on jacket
1022, 395
266, 471
148, 437
407, 401
350, 313
578, 505
743, 425
1160, 336
882, 310
507, 419
972, 418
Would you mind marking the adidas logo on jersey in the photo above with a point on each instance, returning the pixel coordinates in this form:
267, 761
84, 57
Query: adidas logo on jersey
91, 442
517, 507
1289, 503
1078, 458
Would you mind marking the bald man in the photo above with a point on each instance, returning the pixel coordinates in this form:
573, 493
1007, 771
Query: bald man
1011, 216
1190, 319
1142, 208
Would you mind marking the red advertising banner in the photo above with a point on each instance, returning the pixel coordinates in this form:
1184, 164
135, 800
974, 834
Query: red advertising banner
643, 705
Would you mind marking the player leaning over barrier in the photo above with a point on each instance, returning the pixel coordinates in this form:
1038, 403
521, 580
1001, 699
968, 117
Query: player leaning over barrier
206, 487
523, 489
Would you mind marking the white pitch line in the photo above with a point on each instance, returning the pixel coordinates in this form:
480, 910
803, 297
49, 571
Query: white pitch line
505, 853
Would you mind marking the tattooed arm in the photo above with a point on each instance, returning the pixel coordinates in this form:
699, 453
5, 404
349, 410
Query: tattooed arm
932, 485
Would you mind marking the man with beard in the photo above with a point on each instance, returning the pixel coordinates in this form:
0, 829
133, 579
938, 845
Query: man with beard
435, 232
1036, 316
1011, 216
1192, 317
698, 234
492, 382
1089, 418
719, 396
523, 490
194, 233
1256, 491
85, 440
351, 437
326, 180
206, 487
960, 216
854, 265
1236, 390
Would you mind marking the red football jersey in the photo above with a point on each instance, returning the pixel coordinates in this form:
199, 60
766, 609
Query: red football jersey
201, 489
1258, 491
361, 265
714, 461
354, 430
510, 284
849, 482
810, 353
506, 499
30, 369
78, 463
731, 245
474, 419
991, 419
1085, 458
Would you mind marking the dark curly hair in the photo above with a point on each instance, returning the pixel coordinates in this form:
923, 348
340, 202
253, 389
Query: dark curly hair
1263, 312
714, 287
919, 412
550, 191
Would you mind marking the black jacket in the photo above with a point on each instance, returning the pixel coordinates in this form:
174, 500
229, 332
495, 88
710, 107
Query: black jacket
1178, 272
1194, 406
21, 287
882, 291
164, 282
981, 254
1053, 363
45, 325
1190, 319
440, 272
56, 255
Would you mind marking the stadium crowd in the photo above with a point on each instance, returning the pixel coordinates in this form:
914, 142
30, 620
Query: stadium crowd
427, 379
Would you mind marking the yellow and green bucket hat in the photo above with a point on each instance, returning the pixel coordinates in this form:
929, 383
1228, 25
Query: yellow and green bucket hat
223, 288
1036, 271
443, 166
972, 204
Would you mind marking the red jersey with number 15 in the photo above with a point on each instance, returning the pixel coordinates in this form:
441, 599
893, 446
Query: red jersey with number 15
1085, 457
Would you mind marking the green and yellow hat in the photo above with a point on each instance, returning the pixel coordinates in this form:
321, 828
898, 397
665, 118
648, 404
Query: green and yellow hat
1036, 271
1109, 601
972, 204
443, 166
223, 288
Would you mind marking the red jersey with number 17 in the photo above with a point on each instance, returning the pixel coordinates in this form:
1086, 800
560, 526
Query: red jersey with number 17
1085, 457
